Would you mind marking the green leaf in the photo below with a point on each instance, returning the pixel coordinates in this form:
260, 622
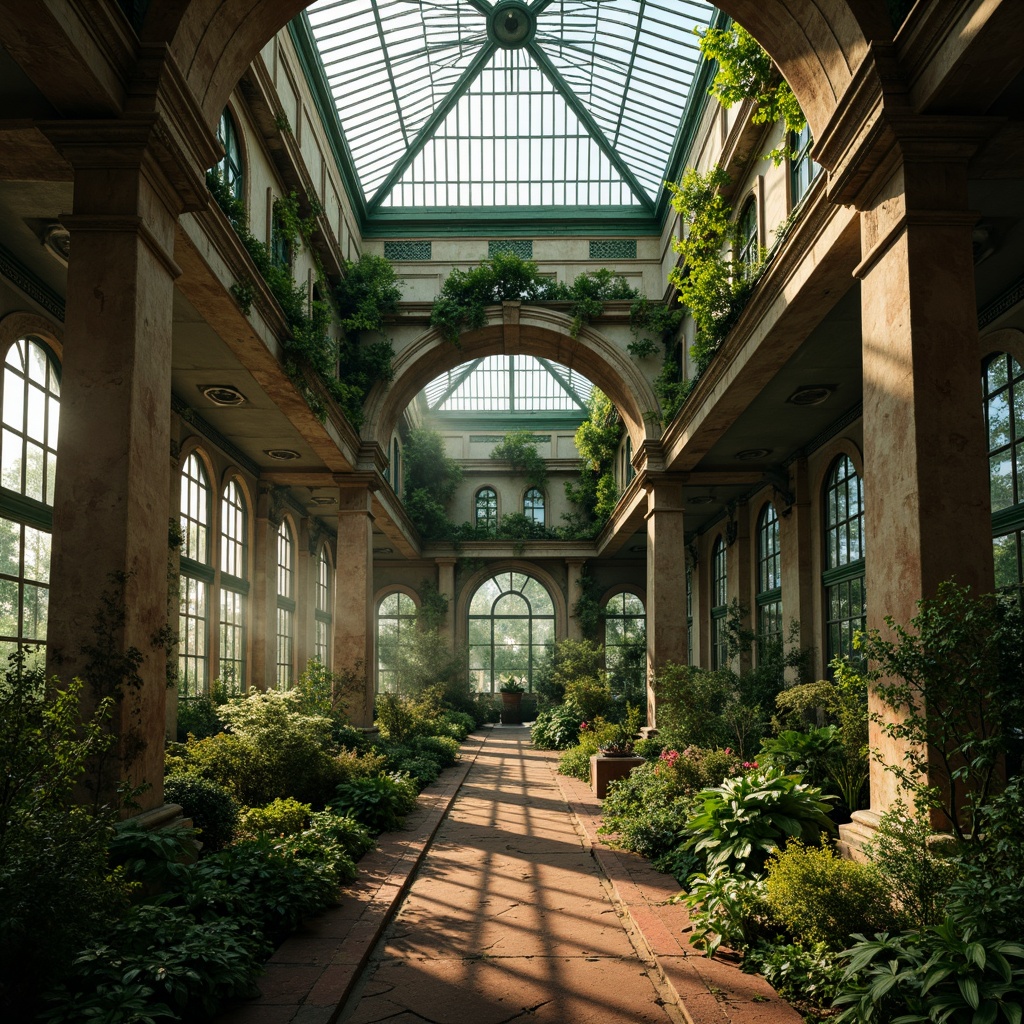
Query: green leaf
969, 990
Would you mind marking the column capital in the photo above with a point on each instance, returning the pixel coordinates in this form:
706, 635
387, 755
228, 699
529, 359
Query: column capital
874, 130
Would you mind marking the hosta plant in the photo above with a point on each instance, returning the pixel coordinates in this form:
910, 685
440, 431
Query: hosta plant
739, 823
726, 908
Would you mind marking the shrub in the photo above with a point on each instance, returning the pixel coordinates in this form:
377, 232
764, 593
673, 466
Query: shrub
395, 717
589, 696
443, 749
556, 728
917, 872
423, 769
284, 816
572, 659
739, 823
378, 803
691, 705
212, 808
355, 839
575, 762
811, 753
799, 972
821, 898
199, 717
649, 748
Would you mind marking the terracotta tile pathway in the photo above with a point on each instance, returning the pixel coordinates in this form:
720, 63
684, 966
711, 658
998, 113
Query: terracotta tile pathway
513, 914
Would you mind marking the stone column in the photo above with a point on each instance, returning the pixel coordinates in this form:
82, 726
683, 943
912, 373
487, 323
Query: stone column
446, 588
353, 592
111, 497
574, 570
666, 581
926, 499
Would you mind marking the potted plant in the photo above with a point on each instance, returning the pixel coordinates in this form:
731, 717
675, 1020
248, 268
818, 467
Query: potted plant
512, 691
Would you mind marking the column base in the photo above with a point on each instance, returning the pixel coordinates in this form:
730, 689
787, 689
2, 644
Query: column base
857, 833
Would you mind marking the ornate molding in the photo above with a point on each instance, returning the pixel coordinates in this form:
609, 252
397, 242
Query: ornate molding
1001, 304
26, 282
191, 417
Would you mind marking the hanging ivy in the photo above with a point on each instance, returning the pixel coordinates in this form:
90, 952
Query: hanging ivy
347, 368
519, 449
745, 71
595, 492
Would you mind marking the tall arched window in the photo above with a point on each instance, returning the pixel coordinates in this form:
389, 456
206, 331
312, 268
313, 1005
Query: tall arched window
719, 605
195, 579
396, 620
230, 166
234, 587
324, 604
748, 252
486, 508
1003, 388
511, 628
28, 462
625, 647
802, 169
285, 606
843, 577
533, 505
769, 575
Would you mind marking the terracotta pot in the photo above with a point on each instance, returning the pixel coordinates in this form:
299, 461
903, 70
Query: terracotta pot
511, 709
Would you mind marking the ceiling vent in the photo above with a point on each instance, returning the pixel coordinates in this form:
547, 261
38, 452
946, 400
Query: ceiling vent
751, 454
811, 394
222, 394
281, 454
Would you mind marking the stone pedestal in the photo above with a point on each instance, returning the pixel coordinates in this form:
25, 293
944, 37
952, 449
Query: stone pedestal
604, 770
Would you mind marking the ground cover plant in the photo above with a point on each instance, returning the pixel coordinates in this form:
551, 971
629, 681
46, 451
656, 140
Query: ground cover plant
103, 920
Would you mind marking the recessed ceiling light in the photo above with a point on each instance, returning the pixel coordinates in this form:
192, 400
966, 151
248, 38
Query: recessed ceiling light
222, 394
753, 453
700, 499
282, 454
638, 547
383, 551
811, 394
323, 500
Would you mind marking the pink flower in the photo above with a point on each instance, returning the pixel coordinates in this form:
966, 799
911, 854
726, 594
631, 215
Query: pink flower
749, 764
583, 726
728, 750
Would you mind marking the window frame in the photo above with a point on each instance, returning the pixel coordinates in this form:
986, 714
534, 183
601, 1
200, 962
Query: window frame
843, 577
323, 610
196, 576
748, 250
719, 607
489, 521
233, 598
769, 574
530, 510
411, 620
284, 606
231, 166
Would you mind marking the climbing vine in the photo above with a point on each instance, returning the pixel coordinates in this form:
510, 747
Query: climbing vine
745, 71
347, 368
595, 492
519, 449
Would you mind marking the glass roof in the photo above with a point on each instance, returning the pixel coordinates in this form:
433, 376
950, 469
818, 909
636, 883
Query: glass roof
509, 384
468, 103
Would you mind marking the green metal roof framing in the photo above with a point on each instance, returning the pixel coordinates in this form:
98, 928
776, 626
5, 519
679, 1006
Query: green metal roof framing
439, 114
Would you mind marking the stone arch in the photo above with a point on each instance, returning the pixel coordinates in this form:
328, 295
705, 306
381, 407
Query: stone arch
542, 332
818, 44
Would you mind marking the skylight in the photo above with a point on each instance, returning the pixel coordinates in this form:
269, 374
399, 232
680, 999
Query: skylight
469, 103
509, 384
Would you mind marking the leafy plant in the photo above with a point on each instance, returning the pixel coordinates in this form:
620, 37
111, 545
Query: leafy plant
745, 71
803, 973
284, 816
556, 728
691, 705
519, 449
739, 823
953, 681
431, 479
726, 908
820, 897
945, 972
378, 803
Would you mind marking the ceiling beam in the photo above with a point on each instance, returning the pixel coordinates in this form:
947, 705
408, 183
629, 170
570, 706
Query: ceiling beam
434, 122
563, 383
455, 384
588, 122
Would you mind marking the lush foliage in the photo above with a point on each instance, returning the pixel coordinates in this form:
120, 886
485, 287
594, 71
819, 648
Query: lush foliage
594, 494
519, 449
379, 802
726, 908
556, 727
212, 809
953, 678
284, 816
745, 72
466, 294
739, 823
431, 478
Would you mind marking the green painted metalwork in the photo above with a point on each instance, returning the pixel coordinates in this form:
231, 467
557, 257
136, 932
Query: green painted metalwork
407, 250
521, 247
613, 249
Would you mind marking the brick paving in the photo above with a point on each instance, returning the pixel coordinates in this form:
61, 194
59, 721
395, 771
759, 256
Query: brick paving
498, 903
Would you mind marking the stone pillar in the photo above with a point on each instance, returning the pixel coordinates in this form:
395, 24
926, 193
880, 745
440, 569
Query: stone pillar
574, 571
926, 500
666, 581
353, 593
112, 487
446, 588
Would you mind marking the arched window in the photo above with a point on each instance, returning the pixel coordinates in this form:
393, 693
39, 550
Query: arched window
748, 253
285, 606
1003, 388
511, 628
769, 576
234, 587
323, 616
843, 577
719, 606
533, 505
230, 166
625, 644
396, 620
28, 462
195, 579
802, 169
486, 508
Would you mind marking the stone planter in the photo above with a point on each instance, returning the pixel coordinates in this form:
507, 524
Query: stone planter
607, 769
511, 709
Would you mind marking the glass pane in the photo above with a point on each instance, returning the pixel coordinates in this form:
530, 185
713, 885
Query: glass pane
38, 364
37, 555
1004, 550
35, 421
543, 631
632, 605
8, 608
34, 601
14, 401
480, 631
389, 605
10, 461
998, 420
10, 547
406, 605
1000, 482
511, 604
51, 476
34, 462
